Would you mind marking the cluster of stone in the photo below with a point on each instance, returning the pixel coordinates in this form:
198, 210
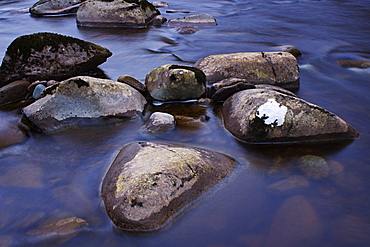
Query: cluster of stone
148, 183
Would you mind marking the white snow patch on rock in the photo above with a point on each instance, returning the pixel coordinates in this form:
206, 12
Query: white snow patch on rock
272, 113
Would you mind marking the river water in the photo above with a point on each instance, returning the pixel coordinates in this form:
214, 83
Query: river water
51, 177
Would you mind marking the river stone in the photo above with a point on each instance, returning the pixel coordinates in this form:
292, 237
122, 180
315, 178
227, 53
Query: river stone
13, 92
160, 121
314, 167
225, 92
268, 116
175, 82
116, 13
200, 20
148, 183
361, 64
81, 98
296, 223
10, 134
45, 56
55, 7
275, 68
133, 82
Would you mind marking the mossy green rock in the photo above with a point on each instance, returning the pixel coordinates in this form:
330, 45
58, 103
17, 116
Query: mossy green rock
175, 82
148, 183
274, 68
116, 13
268, 116
46, 56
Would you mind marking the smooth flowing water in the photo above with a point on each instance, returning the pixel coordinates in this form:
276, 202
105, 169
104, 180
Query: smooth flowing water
51, 177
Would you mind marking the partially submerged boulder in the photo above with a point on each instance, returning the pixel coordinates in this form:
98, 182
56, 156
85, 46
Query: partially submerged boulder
269, 116
175, 82
200, 20
148, 183
116, 13
45, 56
55, 7
82, 98
275, 68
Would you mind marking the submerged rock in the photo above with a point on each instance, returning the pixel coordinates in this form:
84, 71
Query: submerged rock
116, 13
175, 82
82, 98
268, 116
314, 167
45, 56
148, 183
201, 20
55, 7
361, 64
296, 223
10, 134
275, 68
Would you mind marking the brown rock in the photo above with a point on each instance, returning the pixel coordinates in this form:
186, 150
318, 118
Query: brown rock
14, 91
9, 134
296, 223
293, 183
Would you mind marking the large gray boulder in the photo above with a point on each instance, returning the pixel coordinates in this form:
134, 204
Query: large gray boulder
275, 68
55, 7
175, 82
148, 183
46, 56
268, 116
116, 13
83, 98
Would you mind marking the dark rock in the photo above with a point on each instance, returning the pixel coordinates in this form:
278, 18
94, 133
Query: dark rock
225, 92
187, 30
275, 68
45, 56
139, 196
268, 116
116, 13
55, 7
129, 80
200, 20
159, 20
314, 167
175, 82
275, 88
291, 49
361, 64
81, 98
160, 121
13, 92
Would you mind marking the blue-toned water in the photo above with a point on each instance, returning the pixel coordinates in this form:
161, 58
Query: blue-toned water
48, 177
